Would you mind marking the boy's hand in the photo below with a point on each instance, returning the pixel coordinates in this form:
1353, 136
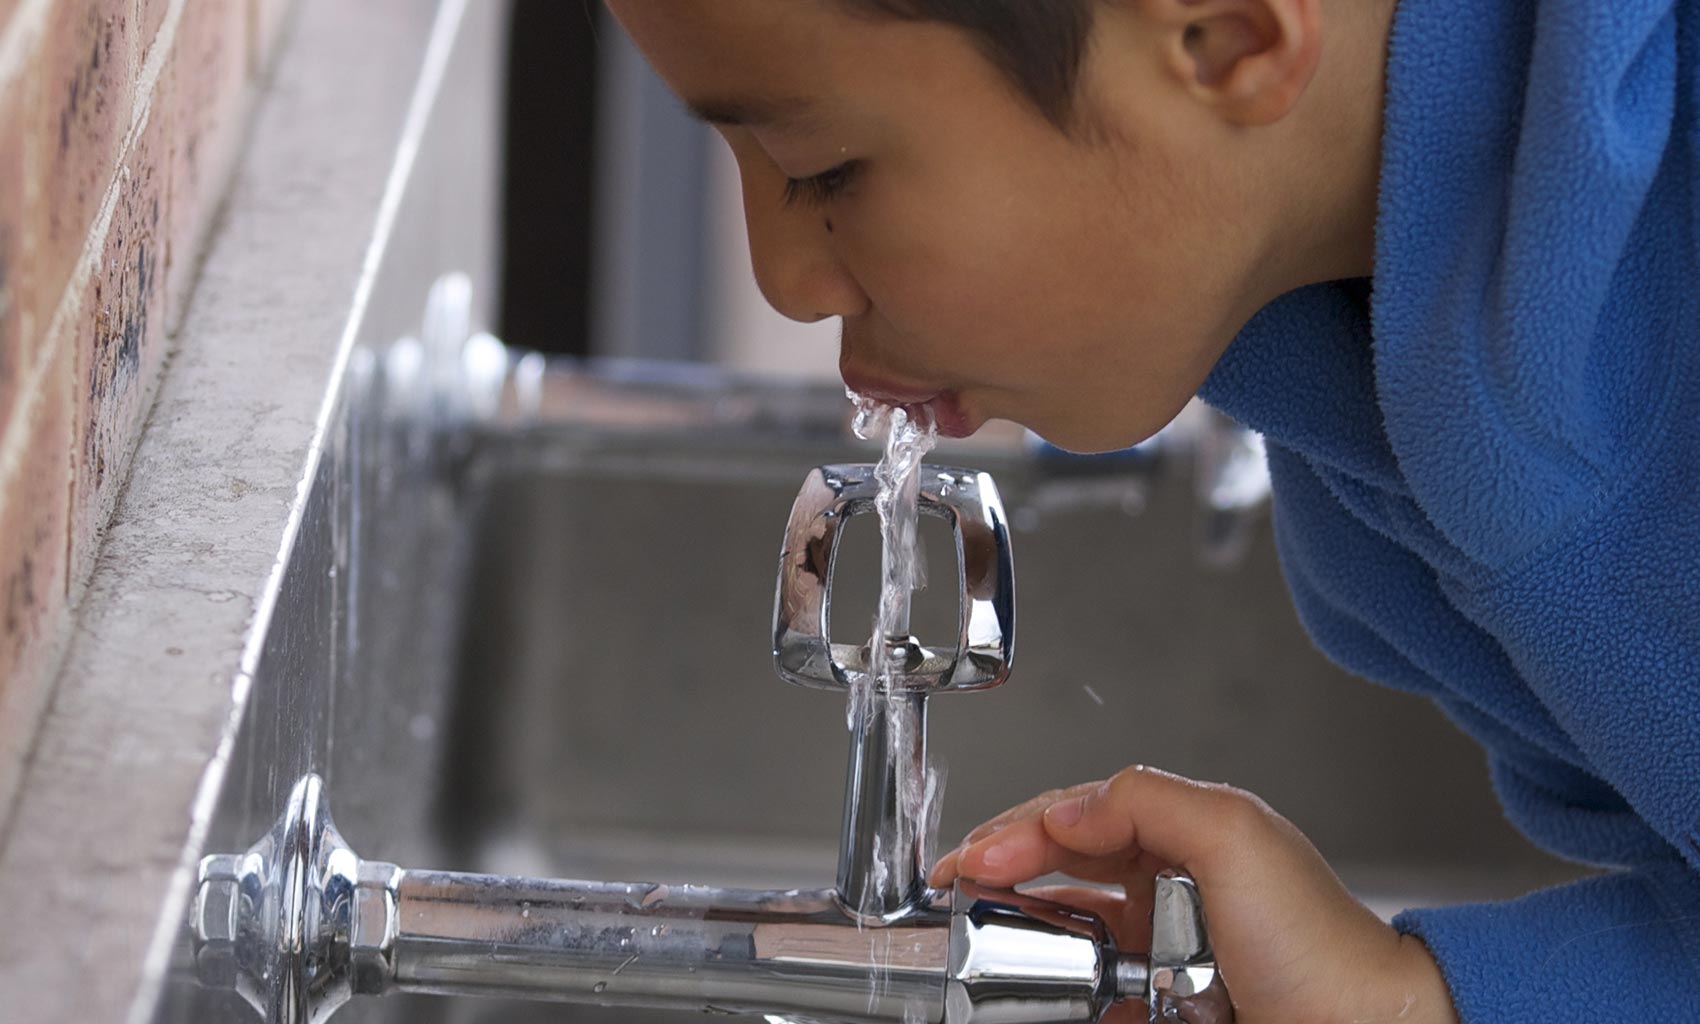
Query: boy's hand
1292, 944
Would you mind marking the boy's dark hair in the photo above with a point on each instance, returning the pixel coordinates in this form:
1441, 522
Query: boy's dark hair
1038, 44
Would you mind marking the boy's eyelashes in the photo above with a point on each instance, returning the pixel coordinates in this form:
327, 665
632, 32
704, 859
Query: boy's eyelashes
819, 188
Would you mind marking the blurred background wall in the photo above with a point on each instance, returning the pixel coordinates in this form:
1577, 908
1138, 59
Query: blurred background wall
641, 252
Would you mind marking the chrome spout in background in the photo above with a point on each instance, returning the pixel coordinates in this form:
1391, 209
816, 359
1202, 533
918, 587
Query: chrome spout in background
1224, 460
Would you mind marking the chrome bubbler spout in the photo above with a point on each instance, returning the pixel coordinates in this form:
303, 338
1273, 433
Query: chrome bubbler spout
881, 869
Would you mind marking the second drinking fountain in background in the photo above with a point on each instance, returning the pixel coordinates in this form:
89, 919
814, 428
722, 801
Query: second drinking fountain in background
298, 924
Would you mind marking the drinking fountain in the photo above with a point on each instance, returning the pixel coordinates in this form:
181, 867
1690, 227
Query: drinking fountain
298, 924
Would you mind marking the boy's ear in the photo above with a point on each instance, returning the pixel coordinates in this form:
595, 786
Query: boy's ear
1249, 59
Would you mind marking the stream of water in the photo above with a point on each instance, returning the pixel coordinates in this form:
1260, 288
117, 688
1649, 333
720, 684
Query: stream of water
908, 438
908, 434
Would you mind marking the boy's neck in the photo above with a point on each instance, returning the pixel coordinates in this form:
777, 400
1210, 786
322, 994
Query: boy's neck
1328, 164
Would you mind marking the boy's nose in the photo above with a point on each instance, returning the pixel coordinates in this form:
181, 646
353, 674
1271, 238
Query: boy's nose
796, 266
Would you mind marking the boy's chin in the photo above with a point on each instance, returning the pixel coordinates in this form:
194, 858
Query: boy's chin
1090, 439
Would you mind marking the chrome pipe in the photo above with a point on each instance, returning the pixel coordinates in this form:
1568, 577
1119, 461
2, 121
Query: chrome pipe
298, 925
678, 947
882, 867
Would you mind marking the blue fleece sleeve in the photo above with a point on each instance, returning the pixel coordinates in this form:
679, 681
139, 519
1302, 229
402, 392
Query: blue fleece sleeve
1608, 948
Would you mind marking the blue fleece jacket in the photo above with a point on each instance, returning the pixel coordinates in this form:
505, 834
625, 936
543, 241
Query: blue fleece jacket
1487, 470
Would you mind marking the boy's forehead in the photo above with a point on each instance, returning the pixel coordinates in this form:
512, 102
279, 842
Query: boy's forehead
804, 67
791, 113
778, 63
719, 40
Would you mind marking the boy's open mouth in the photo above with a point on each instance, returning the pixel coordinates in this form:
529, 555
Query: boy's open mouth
944, 405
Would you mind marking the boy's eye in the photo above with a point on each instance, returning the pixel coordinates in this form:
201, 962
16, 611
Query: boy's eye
819, 188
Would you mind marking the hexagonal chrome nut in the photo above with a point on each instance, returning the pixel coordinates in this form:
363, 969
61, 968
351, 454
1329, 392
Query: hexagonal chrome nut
372, 927
215, 920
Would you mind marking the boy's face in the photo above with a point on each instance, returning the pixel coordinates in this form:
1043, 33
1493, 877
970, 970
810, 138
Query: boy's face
1082, 284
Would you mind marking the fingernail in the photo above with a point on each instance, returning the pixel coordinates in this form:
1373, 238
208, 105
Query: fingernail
995, 855
1067, 812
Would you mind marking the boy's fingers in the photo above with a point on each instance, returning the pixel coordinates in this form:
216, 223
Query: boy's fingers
1132, 825
944, 872
1124, 866
1017, 853
1184, 823
1115, 868
1027, 809
946, 869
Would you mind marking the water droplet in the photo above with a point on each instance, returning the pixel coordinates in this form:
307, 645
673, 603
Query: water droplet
600, 987
525, 910
655, 895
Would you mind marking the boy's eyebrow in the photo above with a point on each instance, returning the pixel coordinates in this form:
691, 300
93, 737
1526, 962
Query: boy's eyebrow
793, 113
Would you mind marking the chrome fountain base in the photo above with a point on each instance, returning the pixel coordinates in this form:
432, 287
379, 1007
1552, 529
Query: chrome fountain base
299, 924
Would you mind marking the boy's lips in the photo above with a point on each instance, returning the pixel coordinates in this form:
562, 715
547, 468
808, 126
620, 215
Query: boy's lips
950, 417
944, 405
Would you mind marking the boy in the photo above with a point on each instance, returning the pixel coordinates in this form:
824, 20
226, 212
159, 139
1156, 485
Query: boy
1446, 256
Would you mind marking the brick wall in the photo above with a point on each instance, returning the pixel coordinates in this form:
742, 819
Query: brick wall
120, 121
